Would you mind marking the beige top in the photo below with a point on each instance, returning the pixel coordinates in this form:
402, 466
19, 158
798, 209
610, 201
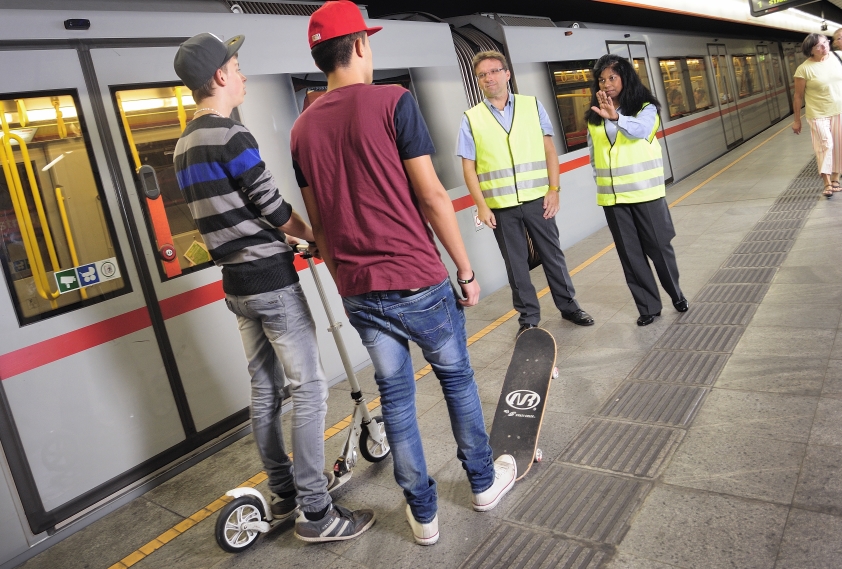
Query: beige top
823, 93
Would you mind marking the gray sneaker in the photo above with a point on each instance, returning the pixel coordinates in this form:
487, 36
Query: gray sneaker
285, 508
338, 524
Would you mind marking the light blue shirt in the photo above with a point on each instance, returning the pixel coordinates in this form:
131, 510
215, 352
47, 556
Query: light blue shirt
465, 146
638, 126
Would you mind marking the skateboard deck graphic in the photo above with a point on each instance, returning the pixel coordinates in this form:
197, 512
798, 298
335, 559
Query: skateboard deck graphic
520, 409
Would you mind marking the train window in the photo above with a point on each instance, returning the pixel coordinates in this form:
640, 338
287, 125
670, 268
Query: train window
57, 243
699, 83
747, 74
686, 85
776, 71
675, 86
573, 85
723, 86
153, 119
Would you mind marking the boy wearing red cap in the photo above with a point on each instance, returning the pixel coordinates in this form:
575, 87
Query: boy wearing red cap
243, 220
361, 154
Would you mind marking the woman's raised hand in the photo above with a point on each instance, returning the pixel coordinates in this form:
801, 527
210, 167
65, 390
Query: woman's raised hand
606, 107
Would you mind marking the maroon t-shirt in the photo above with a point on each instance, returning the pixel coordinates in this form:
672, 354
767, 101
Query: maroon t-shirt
348, 146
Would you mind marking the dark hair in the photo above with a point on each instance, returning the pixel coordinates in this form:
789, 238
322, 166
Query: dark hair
335, 52
634, 93
811, 41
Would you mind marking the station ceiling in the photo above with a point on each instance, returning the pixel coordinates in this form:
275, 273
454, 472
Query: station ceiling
596, 11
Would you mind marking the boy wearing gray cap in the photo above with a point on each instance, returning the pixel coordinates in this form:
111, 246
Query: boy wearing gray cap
243, 219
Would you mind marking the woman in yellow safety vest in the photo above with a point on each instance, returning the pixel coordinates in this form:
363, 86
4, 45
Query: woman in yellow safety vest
628, 168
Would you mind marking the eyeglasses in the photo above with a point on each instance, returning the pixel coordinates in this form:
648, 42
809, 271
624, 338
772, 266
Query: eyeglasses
611, 78
482, 76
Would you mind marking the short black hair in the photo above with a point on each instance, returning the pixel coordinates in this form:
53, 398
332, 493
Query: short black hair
335, 52
811, 41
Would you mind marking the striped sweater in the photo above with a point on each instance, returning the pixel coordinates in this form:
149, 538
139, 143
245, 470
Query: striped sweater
236, 205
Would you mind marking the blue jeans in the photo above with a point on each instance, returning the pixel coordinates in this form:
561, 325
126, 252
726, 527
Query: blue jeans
386, 321
279, 337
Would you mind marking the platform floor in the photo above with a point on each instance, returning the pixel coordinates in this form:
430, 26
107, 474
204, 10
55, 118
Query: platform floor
709, 439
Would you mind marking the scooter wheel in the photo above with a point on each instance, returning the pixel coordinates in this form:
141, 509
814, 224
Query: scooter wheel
371, 450
230, 533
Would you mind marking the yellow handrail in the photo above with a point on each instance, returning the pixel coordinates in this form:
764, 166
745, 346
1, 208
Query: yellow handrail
62, 130
30, 243
66, 223
129, 136
182, 114
23, 118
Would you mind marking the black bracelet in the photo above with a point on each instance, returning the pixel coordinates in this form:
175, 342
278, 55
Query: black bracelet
468, 281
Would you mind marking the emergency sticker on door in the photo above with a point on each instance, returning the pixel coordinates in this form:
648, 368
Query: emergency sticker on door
87, 275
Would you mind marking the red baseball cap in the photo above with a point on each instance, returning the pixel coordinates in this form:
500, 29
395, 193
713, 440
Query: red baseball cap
336, 18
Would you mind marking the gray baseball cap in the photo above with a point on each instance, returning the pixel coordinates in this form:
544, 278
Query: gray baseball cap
199, 57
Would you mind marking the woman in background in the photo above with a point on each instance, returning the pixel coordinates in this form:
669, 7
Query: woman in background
629, 173
818, 82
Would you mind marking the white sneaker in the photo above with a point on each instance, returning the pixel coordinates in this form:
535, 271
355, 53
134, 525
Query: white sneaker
505, 472
425, 534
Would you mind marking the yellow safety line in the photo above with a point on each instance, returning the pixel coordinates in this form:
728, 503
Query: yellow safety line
331, 432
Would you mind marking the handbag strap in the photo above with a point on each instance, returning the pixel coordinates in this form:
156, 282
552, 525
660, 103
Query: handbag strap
837, 56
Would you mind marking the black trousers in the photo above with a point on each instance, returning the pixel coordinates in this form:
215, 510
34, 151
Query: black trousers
511, 239
644, 230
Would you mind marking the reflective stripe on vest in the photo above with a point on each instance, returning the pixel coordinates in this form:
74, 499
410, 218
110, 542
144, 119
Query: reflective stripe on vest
629, 171
511, 167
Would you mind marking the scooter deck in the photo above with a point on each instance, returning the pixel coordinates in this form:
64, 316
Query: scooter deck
523, 398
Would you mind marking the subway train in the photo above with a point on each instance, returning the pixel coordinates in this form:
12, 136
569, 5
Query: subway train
119, 362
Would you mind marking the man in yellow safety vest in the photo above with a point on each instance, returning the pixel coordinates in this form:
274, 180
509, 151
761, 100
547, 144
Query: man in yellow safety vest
511, 170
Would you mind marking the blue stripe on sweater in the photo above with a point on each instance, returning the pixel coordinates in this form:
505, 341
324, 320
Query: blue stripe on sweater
211, 171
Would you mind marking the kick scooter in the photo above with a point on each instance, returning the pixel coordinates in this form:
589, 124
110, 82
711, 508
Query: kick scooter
244, 518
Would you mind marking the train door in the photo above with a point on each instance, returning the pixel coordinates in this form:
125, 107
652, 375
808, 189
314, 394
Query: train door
85, 399
147, 110
769, 86
637, 53
725, 95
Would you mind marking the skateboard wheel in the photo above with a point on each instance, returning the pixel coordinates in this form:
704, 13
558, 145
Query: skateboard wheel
539, 455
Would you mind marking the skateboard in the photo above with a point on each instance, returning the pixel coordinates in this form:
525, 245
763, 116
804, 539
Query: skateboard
520, 409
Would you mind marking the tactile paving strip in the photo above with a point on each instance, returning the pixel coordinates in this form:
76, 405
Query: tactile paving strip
581, 503
776, 216
626, 448
732, 293
701, 338
775, 235
756, 260
726, 313
695, 368
787, 206
655, 403
778, 224
744, 276
514, 547
763, 247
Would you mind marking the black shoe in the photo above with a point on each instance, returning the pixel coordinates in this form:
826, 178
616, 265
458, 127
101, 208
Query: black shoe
647, 319
523, 328
682, 305
578, 317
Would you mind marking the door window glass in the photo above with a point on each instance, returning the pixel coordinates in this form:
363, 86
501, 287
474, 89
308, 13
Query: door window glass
572, 83
640, 68
57, 243
699, 83
723, 86
153, 119
747, 74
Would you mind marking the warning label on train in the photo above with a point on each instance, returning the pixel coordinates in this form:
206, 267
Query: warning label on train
87, 275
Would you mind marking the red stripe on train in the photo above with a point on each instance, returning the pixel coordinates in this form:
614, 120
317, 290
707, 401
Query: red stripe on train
54, 349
